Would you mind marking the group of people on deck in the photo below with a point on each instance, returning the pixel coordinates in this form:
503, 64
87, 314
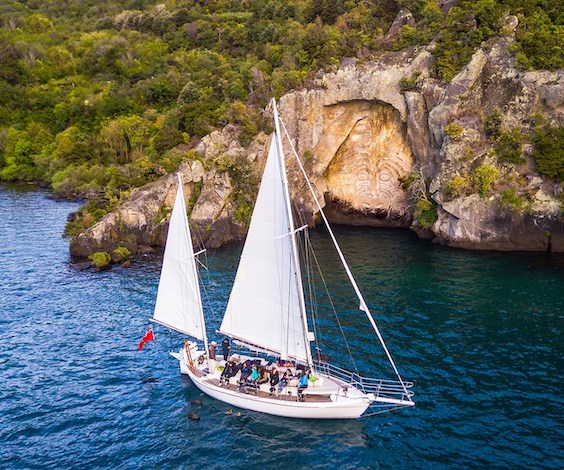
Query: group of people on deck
253, 374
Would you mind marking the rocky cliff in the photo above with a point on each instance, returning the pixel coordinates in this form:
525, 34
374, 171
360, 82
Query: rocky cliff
385, 144
142, 222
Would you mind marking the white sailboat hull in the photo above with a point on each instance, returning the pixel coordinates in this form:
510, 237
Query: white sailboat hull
343, 409
339, 405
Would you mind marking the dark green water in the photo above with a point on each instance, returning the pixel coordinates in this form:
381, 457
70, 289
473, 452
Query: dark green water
480, 334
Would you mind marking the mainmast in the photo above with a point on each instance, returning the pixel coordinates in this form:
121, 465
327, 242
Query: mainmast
292, 233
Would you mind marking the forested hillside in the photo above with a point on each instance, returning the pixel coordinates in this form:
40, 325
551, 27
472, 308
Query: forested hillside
99, 96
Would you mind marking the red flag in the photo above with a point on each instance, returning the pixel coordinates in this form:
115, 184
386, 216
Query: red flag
149, 336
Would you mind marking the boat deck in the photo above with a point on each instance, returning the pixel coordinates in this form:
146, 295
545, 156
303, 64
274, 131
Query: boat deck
285, 395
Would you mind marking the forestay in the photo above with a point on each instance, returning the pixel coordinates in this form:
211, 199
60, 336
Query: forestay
178, 299
264, 306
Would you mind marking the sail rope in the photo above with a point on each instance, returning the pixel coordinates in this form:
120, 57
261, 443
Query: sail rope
363, 305
305, 243
196, 231
209, 304
326, 287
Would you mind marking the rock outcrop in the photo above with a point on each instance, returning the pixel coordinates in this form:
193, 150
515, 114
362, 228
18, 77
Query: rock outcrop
364, 131
142, 222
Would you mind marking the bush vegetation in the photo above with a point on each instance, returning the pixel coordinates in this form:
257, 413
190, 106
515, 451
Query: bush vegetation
454, 131
512, 200
101, 260
425, 213
456, 186
509, 146
549, 152
484, 178
409, 83
245, 185
121, 253
492, 124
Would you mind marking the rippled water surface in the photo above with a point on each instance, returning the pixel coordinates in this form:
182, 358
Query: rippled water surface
479, 334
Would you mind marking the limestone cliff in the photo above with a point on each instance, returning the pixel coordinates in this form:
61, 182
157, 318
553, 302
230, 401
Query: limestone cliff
384, 144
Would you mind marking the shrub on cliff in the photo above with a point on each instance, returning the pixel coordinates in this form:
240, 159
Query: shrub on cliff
454, 131
510, 199
456, 186
492, 124
410, 83
425, 213
549, 152
509, 147
245, 184
484, 178
250, 120
540, 37
121, 254
101, 260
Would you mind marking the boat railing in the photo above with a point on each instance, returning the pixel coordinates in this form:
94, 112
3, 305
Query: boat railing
379, 387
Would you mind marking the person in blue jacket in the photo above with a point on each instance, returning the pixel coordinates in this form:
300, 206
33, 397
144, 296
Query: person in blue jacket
303, 384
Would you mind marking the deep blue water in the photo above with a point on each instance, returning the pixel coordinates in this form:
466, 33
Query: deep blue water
480, 334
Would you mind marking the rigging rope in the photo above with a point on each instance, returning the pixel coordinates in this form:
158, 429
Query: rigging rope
363, 305
334, 310
311, 289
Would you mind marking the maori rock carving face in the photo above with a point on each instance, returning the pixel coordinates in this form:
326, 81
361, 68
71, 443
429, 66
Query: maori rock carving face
363, 174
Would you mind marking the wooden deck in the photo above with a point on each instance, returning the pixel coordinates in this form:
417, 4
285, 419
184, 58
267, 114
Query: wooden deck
287, 394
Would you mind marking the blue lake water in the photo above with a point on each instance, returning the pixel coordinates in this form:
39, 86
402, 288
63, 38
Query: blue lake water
480, 334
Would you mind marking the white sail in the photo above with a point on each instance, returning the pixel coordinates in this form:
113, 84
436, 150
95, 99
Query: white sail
264, 307
179, 306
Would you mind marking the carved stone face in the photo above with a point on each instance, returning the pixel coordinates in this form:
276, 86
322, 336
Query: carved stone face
363, 174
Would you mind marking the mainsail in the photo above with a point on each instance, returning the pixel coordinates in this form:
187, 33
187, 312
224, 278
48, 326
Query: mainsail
179, 306
264, 308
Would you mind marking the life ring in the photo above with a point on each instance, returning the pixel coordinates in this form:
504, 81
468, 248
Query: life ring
201, 360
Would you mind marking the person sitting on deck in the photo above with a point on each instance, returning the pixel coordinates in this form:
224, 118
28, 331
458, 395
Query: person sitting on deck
254, 375
229, 371
246, 371
302, 385
285, 379
274, 379
263, 376
251, 381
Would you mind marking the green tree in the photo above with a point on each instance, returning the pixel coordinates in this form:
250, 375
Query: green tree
540, 42
549, 152
18, 157
456, 43
38, 23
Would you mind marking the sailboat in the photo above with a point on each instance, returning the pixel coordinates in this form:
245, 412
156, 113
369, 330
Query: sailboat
266, 315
